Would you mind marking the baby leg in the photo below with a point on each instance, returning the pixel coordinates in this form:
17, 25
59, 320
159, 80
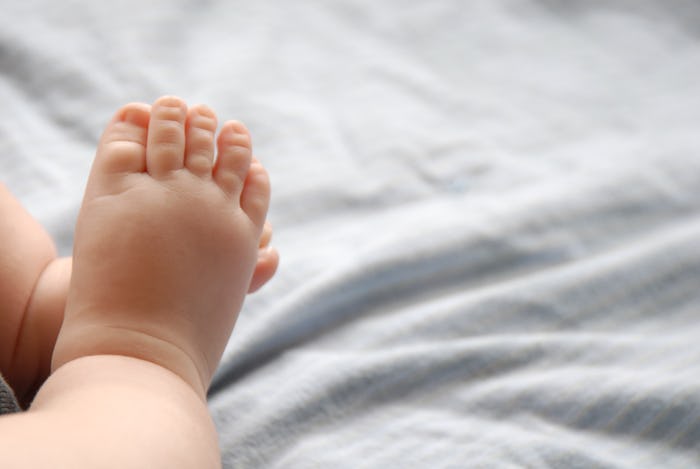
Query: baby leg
165, 249
33, 288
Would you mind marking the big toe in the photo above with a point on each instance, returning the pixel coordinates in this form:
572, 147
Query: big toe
122, 148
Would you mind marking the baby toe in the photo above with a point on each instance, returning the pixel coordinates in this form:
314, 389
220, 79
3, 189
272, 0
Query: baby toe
255, 197
266, 235
165, 150
199, 149
233, 158
122, 147
265, 268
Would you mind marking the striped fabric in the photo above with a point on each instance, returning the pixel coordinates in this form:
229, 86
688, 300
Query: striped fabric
8, 403
554, 329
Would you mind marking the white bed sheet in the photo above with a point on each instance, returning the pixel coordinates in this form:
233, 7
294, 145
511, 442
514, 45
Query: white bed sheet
488, 215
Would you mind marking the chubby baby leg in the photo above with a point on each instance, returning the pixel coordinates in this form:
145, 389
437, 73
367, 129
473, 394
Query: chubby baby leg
166, 247
33, 288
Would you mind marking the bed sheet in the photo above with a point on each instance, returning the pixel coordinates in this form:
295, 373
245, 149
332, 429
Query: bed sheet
487, 212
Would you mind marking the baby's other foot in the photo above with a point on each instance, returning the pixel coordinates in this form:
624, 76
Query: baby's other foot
166, 241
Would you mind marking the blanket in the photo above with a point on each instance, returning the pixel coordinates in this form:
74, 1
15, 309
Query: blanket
488, 215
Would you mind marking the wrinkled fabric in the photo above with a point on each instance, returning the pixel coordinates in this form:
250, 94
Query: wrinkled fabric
488, 215
8, 402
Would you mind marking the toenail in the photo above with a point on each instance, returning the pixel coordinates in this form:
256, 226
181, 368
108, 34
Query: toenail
239, 127
174, 113
135, 116
204, 111
231, 138
171, 102
204, 122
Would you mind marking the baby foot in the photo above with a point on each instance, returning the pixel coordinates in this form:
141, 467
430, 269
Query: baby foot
166, 241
